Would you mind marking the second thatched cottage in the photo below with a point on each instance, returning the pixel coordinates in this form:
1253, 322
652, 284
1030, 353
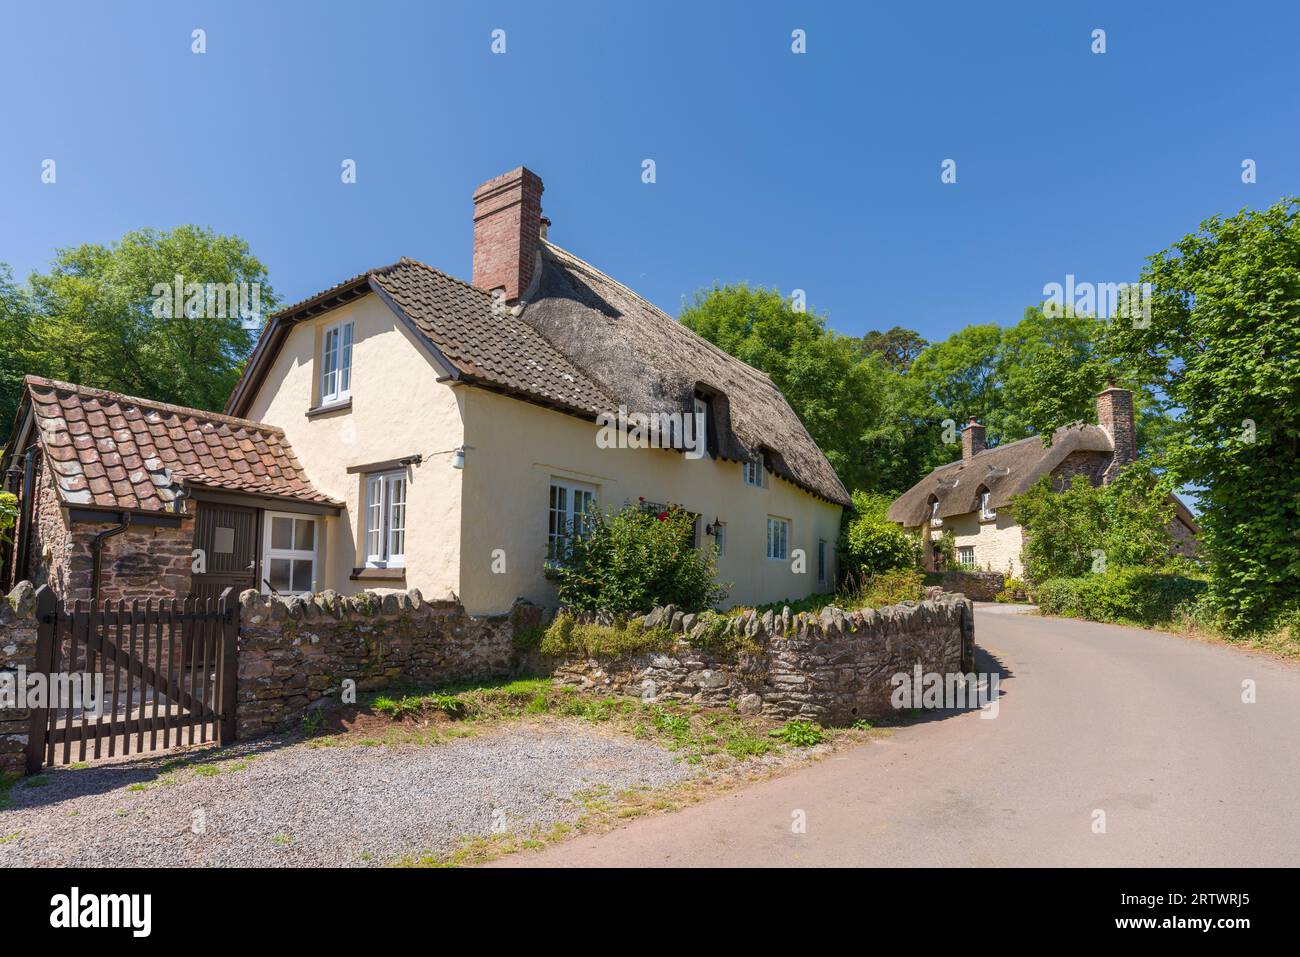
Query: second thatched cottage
407, 429
970, 498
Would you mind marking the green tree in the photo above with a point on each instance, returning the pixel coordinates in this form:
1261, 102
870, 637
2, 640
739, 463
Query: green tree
103, 316
1223, 343
15, 347
1053, 367
960, 377
832, 387
899, 347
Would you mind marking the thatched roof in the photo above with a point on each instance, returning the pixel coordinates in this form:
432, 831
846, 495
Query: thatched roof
650, 362
1004, 471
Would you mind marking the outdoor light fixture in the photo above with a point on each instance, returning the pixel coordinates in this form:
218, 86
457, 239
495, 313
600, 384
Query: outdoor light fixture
458, 458
713, 528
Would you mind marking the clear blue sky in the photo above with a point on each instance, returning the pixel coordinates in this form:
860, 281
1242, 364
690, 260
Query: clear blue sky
817, 171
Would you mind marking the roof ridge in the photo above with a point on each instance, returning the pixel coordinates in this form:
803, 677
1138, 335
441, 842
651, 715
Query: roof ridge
583, 264
1006, 445
90, 391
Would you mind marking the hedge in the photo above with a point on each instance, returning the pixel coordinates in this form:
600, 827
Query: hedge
1130, 595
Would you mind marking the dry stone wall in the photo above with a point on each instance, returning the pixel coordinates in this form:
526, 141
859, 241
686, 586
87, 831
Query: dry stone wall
977, 586
295, 654
833, 667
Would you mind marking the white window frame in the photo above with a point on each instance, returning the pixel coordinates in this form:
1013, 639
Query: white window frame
821, 561
962, 562
702, 436
778, 538
573, 492
935, 520
337, 343
294, 555
753, 473
720, 538
986, 513
384, 516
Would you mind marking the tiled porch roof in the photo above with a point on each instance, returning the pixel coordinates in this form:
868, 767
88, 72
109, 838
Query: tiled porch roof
113, 451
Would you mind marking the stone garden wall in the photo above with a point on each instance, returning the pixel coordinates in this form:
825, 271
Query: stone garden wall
833, 667
977, 586
17, 648
295, 654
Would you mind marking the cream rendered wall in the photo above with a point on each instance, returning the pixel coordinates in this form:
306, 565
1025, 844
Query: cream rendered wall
398, 409
515, 449
997, 542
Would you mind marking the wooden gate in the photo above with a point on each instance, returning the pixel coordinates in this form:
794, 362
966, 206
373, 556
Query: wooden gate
169, 675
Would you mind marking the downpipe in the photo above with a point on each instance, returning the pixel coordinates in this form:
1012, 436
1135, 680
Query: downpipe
97, 554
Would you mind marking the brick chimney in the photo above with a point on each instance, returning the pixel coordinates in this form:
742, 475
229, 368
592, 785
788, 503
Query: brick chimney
507, 226
1115, 415
972, 439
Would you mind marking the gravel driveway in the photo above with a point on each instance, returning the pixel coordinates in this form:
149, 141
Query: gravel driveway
274, 803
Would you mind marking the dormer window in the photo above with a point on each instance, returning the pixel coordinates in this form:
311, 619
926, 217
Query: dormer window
754, 474
701, 430
934, 512
987, 512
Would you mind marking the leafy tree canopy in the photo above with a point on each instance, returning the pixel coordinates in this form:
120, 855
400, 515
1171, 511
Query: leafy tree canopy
831, 386
1223, 343
100, 317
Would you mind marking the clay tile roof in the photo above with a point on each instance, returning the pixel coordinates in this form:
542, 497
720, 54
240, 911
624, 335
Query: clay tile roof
148, 451
493, 347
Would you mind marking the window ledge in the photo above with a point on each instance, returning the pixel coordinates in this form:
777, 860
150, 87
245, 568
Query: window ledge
378, 574
344, 406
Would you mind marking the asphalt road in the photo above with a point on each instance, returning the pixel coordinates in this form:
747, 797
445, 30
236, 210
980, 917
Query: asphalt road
1148, 728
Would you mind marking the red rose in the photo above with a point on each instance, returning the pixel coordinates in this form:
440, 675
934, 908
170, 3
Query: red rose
663, 516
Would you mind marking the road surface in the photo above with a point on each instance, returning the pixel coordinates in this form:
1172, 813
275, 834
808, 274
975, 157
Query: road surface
1149, 729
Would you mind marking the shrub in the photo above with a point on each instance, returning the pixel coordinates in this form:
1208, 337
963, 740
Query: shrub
1126, 594
1124, 521
635, 559
1013, 590
567, 638
871, 543
887, 588
8, 514
801, 734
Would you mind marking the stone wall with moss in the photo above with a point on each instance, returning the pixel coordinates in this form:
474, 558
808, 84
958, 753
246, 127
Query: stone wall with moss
295, 654
832, 667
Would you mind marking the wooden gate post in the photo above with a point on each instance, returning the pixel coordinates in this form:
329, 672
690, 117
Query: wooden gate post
47, 614
228, 604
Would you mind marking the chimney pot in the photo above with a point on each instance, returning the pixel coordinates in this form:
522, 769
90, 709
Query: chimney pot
507, 232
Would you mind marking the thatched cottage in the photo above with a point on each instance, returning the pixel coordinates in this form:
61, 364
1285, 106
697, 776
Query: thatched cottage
406, 429
969, 497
